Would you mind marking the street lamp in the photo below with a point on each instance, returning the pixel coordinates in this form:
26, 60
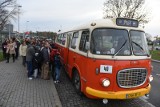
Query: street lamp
9, 30
19, 6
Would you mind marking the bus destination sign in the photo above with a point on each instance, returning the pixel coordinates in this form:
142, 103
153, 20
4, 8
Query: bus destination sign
126, 22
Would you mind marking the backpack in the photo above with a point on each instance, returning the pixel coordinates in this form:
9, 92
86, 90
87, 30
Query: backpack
57, 62
38, 55
52, 54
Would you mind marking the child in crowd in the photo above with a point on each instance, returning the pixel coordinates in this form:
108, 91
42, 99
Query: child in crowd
57, 67
52, 54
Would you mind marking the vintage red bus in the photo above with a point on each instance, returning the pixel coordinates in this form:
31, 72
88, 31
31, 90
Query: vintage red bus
107, 59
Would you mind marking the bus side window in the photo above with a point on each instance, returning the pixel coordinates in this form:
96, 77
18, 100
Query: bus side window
59, 38
84, 39
63, 39
69, 35
74, 40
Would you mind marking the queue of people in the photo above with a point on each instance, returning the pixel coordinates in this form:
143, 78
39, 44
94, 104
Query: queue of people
41, 57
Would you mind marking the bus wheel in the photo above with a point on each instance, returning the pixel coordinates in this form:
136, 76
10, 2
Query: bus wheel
77, 82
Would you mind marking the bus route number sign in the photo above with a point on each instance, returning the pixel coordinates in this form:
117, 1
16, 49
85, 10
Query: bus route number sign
106, 69
126, 22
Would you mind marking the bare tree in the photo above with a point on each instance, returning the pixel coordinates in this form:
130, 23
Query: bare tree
8, 11
134, 9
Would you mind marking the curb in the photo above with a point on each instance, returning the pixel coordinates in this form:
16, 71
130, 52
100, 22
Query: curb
55, 94
155, 60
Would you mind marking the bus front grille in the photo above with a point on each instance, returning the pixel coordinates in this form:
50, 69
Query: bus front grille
129, 78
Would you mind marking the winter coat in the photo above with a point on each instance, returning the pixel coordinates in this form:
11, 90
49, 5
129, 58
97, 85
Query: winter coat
30, 53
11, 48
22, 50
45, 54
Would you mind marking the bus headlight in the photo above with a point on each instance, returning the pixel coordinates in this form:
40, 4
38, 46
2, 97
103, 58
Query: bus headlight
105, 82
150, 78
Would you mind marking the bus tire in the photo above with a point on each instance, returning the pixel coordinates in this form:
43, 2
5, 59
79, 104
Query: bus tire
77, 82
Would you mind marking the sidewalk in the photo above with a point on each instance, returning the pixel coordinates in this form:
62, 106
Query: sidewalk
16, 90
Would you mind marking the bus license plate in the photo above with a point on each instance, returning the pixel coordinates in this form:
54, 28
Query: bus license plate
133, 95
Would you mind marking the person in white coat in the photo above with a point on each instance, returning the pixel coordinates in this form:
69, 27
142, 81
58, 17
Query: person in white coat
22, 52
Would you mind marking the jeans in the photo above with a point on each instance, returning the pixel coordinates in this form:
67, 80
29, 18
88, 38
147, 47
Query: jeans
29, 68
57, 73
35, 73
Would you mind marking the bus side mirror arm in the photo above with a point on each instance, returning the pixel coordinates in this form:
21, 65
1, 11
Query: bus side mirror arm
87, 46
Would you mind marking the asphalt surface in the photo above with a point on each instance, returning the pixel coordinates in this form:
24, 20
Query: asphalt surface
69, 97
154, 97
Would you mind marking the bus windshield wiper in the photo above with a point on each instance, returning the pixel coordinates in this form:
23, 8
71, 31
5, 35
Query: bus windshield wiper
120, 48
140, 47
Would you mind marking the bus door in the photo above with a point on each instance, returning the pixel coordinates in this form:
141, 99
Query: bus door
82, 58
71, 52
78, 55
68, 38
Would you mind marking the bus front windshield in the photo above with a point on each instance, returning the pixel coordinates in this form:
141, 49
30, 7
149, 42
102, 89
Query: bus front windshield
116, 42
139, 43
110, 42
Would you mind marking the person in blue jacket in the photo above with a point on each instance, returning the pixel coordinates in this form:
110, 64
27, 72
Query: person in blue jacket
57, 67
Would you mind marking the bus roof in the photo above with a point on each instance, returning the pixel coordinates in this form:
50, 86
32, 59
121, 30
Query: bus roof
101, 23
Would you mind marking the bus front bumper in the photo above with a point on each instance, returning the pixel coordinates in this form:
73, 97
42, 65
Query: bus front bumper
120, 94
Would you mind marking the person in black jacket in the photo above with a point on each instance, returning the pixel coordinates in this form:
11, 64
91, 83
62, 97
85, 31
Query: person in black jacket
17, 48
46, 60
4, 48
36, 60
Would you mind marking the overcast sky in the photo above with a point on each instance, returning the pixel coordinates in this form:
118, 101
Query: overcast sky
52, 15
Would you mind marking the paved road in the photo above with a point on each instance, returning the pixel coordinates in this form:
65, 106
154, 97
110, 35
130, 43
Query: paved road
69, 97
155, 91
16, 90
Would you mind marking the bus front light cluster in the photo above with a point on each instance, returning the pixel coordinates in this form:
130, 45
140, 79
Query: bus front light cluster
150, 78
105, 82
